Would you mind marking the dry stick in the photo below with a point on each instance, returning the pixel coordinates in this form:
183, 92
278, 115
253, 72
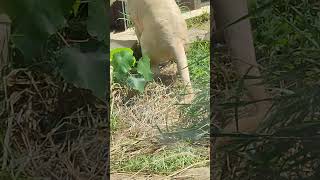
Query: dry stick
76, 41
63, 39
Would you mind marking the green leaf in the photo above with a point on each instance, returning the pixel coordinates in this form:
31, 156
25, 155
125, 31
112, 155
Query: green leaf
97, 23
35, 21
75, 7
136, 83
87, 70
122, 64
144, 68
117, 50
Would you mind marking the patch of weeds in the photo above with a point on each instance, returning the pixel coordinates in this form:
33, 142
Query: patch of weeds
198, 20
127, 71
199, 62
164, 162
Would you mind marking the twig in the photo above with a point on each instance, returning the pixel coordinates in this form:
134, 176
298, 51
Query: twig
77, 41
63, 39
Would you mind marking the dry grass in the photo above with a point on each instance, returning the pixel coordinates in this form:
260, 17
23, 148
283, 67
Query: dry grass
52, 130
142, 117
153, 108
139, 115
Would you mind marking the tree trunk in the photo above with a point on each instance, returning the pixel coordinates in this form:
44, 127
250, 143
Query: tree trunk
240, 42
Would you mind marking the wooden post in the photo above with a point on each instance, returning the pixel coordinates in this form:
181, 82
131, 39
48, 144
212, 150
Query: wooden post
240, 42
5, 24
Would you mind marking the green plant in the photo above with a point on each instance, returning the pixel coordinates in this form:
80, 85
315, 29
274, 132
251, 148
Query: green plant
198, 20
127, 71
54, 30
199, 62
165, 161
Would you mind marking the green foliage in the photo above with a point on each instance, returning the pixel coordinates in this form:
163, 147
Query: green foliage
125, 71
144, 68
199, 62
86, 70
125, 50
97, 23
287, 36
199, 66
252, 4
35, 22
75, 7
122, 63
164, 162
198, 20
137, 83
